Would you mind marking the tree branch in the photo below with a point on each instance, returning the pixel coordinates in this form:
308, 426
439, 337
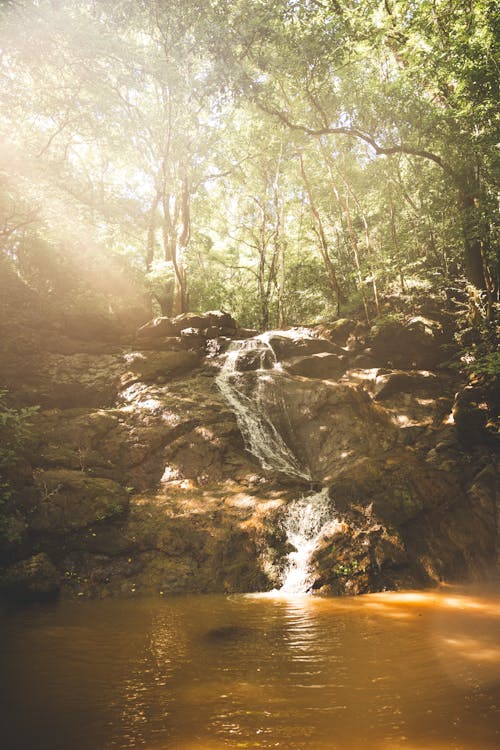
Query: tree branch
401, 148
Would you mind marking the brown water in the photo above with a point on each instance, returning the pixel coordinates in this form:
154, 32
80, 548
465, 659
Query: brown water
405, 670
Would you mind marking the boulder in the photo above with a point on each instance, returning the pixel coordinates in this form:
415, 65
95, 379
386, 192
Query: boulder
31, 579
157, 328
193, 339
71, 500
245, 333
339, 331
254, 359
389, 383
286, 344
64, 381
149, 365
323, 365
476, 411
361, 556
215, 318
365, 360
221, 319
416, 343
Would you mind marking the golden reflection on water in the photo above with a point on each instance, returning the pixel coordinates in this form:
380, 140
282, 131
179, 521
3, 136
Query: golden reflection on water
414, 670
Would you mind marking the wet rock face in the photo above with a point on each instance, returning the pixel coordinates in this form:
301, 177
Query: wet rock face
140, 480
325, 426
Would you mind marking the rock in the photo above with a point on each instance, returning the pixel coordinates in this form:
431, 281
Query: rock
31, 579
325, 427
476, 411
215, 332
416, 343
150, 488
166, 343
64, 381
294, 344
221, 320
366, 377
361, 557
215, 318
158, 328
365, 360
193, 339
398, 489
455, 542
254, 359
149, 365
339, 331
325, 366
245, 333
484, 493
163, 327
71, 500
396, 381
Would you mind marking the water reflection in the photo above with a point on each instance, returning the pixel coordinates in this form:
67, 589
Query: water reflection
411, 670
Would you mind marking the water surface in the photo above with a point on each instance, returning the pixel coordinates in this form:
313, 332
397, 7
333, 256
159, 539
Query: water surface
402, 670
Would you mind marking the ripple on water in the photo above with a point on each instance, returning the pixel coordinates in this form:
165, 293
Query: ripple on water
413, 670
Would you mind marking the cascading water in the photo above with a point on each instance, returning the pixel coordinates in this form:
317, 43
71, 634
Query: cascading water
244, 381
249, 380
306, 522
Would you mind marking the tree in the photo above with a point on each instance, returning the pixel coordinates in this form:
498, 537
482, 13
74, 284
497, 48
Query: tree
379, 76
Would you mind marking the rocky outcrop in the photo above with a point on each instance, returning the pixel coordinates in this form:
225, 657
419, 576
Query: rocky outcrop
416, 343
71, 500
322, 365
139, 480
476, 412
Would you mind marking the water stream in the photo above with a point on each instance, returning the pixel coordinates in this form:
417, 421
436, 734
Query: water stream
261, 413
246, 383
305, 523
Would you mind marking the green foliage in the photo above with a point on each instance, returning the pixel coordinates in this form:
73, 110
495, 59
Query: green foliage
387, 322
232, 149
487, 365
15, 435
478, 333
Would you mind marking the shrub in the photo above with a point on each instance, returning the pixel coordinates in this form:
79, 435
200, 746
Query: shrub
15, 435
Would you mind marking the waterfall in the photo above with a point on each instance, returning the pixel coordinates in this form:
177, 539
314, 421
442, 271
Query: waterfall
246, 382
250, 381
306, 521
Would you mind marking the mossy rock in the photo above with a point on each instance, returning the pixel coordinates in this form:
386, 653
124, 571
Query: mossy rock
31, 579
71, 500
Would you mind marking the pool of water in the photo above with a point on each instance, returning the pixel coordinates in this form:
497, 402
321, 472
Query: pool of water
410, 670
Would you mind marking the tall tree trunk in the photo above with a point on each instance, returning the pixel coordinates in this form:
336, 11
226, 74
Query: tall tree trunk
473, 239
344, 207
323, 243
179, 254
150, 243
394, 238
